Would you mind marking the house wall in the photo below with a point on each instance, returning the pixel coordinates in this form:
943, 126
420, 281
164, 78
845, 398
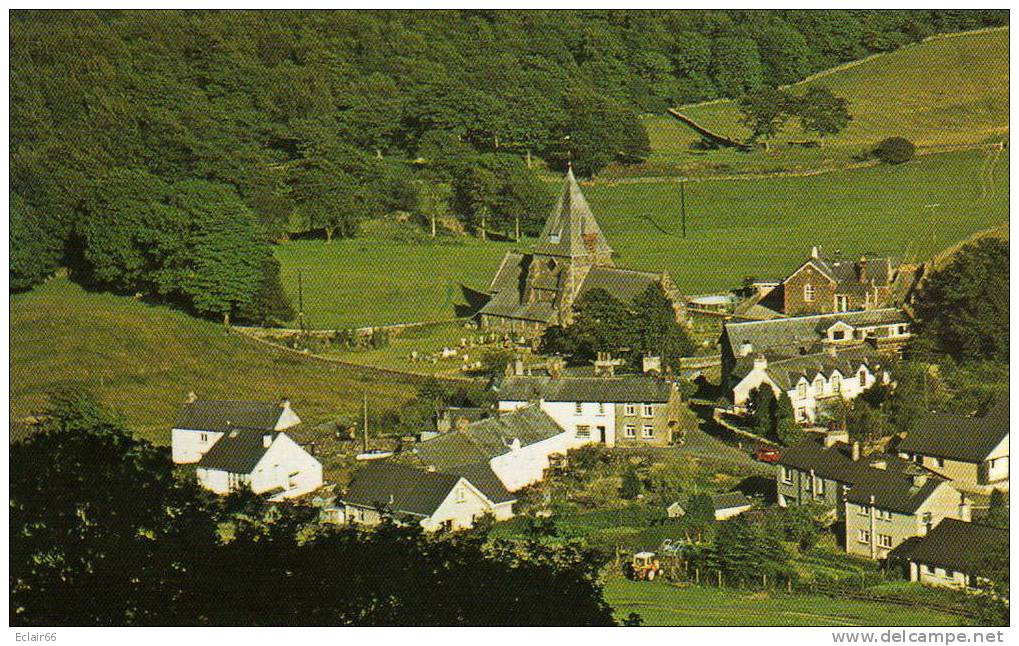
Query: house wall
943, 503
283, 459
664, 421
462, 511
214, 480
807, 407
188, 447
527, 464
937, 576
793, 292
797, 487
592, 415
970, 476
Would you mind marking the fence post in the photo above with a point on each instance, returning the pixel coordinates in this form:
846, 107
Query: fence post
765, 577
697, 575
720, 578
789, 585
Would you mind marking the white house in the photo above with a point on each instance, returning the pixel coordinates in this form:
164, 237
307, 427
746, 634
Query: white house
242, 445
810, 380
432, 499
971, 450
515, 446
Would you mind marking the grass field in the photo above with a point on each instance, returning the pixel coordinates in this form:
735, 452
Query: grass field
741, 227
661, 604
144, 360
950, 90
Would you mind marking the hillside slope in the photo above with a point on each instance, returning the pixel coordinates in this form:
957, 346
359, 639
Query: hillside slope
946, 91
144, 359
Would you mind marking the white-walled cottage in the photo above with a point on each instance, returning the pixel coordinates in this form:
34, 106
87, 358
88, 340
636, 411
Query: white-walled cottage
240, 444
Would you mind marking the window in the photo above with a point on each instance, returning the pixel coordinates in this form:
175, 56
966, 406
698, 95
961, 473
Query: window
884, 540
578, 408
884, 514
836, 383
648, 431
818, 486
601, 408
903, 329
940, 462
801, 414
808, 292
801, 390
630, 430
787, 475
461, 495
864, 510
838, 335
292, 481
631, 409
862, 377
819, 385
863, 536
205, 437
649, 410
583, 432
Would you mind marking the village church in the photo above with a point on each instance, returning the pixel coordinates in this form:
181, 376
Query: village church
536, 289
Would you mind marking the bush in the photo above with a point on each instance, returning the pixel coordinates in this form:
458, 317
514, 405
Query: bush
895, 150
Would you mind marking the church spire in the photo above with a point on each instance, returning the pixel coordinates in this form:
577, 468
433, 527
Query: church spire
571, 231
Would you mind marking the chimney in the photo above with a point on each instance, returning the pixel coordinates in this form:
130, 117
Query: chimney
760, 362
861, 269
518, 367
191, 398
604, 366
814, 253
746, 348
651, 364
919, 480
267, 440
834, 437
856, 451
965, 509
285, 403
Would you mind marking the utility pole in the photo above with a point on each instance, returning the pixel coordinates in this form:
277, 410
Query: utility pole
682, 204
364, 435
518, 228
300, 299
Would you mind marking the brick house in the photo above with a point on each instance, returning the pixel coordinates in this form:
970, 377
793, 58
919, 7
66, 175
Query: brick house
822, 285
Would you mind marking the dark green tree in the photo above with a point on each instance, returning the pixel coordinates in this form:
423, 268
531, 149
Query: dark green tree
997, 511
36, 246
655, 330
822, 112
764, 112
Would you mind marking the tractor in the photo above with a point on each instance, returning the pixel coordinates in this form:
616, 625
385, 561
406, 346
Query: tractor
645, 566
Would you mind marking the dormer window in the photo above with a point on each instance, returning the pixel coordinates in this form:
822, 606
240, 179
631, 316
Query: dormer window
808, 292
819, 385
801, 389
836, 383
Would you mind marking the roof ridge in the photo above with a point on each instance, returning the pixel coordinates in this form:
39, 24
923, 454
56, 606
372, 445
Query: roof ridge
816, 316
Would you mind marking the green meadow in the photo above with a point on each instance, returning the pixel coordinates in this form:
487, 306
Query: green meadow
761, 227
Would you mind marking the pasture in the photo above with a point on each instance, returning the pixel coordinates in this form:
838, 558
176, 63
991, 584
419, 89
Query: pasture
760, 227
662, 604
144, 359
950, 90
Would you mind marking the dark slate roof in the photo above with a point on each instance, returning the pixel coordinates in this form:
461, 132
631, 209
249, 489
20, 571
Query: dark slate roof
893, 490
619, 389
238, 451
624, 284
508, 290
956, 437
221, 416
571, 230
399, 488
487, 438
787, 336
787, 372
846, 271
954, 545
729, 500
481, 476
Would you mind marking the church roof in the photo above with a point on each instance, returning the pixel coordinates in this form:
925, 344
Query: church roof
571, 230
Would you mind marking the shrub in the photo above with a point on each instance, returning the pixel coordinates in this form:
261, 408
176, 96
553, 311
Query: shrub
895, 150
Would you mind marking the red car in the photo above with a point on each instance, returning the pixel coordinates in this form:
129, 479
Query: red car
766, 453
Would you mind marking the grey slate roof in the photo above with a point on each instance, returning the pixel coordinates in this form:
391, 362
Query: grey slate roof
221, 416
619, 389
399, 488
788, 335
487, 438
954, 545
968, 439
624, 284
846, 271
893, 490
786, 373
481, 476
238, 451
571, 230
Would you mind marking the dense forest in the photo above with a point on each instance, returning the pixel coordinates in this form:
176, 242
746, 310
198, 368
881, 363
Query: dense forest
147, 147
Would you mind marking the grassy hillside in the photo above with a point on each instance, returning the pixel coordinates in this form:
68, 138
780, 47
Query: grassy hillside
736, 228
144, 359
949, 90
661, 604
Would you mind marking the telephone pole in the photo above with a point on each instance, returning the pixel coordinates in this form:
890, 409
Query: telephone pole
682, 204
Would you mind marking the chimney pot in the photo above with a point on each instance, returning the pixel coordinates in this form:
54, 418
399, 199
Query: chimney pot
814, 253
266, 440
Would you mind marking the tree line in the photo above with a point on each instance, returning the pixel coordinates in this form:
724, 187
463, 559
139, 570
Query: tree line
318, 121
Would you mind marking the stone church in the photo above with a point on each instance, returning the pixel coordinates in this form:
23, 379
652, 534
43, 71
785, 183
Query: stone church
533, 290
